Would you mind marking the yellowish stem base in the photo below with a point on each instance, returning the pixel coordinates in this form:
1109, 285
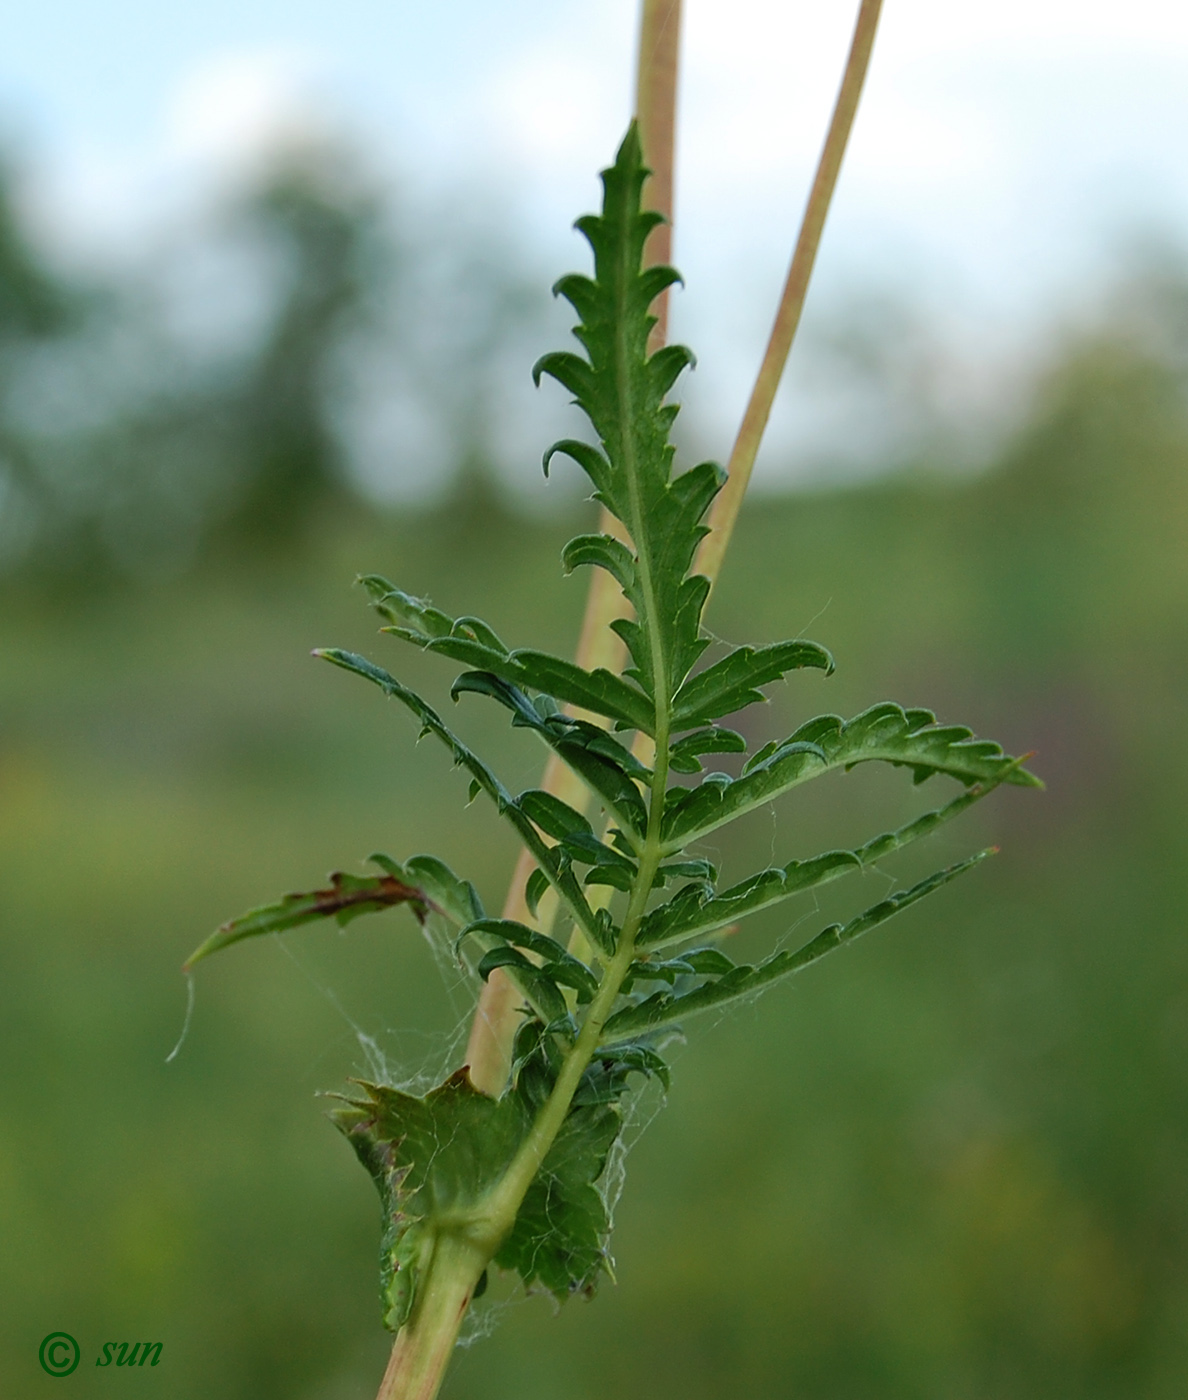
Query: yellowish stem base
424, 1345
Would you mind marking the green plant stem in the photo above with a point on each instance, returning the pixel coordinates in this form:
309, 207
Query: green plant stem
505, 1201
425, 1343
724, 512
423, 1346
488, 1051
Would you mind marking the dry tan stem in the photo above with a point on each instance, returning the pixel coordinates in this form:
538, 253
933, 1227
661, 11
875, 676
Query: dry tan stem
725, 509
488, 1052
655, 110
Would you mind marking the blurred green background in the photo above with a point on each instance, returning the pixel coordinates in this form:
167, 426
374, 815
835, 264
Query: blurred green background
950, 1163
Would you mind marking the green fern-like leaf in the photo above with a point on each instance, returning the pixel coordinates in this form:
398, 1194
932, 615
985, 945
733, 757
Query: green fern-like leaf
665, 1009
423, 883
516, 1175
623, 391
431, 722
885, 733
472, 642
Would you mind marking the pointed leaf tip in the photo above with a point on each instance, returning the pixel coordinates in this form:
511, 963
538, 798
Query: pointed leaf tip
346, 897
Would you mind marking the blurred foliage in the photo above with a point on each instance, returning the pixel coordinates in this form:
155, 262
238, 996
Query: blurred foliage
952, 1164
278, 416
202, 403
35, 309
156, 445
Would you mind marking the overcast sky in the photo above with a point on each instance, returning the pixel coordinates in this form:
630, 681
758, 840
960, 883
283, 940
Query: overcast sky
1002, 156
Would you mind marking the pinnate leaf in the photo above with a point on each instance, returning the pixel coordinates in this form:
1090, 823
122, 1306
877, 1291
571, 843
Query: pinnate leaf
539, 987
346, 898
559, 1240
684, 755
433, 1159
884, 733
437, 1159
472, 642
697, 910
554, 817
622, 391
732, 683
667, 1008
555, 960
534, 889
431, 722
607, 768
607, 553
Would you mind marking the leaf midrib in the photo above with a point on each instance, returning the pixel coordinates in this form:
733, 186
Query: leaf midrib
627, 422
680, 839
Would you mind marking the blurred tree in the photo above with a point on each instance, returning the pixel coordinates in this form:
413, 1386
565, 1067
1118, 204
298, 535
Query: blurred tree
35, 307
33, 303
135, 439
291, 465
236, 447
127, 449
